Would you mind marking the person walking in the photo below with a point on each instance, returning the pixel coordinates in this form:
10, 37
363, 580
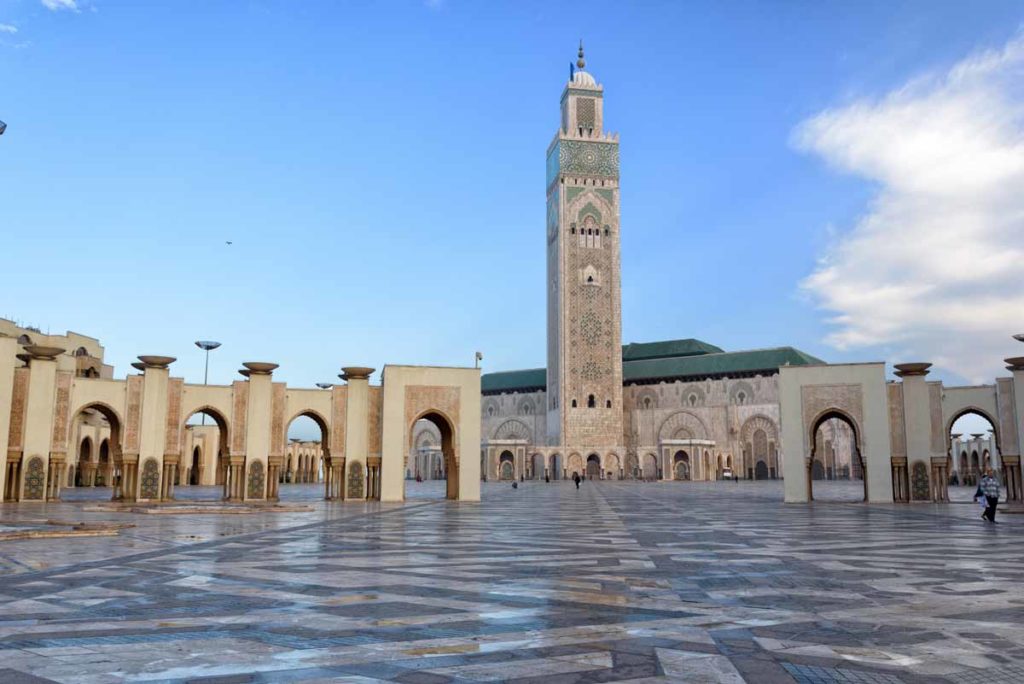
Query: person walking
576, 479
990, 488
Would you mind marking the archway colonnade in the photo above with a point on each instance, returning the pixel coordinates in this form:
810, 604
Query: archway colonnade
366, 430
902, 442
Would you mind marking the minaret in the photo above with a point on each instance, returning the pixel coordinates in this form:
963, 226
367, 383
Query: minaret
584, 379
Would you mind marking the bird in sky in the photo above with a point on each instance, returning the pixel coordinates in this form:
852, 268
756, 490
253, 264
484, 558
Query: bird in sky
227, 242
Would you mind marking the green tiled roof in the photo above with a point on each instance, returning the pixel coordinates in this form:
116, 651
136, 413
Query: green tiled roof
637, 351
694, 366
709, 365
515, 381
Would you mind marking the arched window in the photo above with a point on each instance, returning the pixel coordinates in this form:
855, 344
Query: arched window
741, 398
693, 399
608, 404
591, 402
81, 351
24, 339
574, 403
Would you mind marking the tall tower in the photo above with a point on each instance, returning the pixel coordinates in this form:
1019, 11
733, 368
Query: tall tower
584, 379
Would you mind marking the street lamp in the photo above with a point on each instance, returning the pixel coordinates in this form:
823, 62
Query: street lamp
325, 385
1019, 337
3, 127
207, 346
479, 356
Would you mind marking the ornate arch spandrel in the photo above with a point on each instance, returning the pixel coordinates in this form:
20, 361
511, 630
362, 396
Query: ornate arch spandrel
683, 423
513, 429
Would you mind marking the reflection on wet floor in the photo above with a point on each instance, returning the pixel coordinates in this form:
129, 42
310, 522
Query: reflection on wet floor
618, 581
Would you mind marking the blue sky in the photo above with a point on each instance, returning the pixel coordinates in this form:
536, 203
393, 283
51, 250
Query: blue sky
379, 168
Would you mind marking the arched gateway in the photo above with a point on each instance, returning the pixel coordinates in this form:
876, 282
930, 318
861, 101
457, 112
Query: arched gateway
365, 429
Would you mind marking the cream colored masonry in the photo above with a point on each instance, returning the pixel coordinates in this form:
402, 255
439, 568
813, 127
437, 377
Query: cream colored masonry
367, 429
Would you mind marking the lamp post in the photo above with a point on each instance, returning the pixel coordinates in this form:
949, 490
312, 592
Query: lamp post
325, 385
207, 346
478, 357
3, 127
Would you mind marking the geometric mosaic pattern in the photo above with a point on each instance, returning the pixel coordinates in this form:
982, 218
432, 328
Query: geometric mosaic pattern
618, 581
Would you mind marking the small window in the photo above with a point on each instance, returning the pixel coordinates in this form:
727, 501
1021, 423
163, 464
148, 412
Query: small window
573, 230
608, 404
693, 400
741, 397
590, 278
574, 403
647, 402
591, 402
24, 339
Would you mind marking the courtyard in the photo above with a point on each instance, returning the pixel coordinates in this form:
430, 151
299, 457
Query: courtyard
619, 581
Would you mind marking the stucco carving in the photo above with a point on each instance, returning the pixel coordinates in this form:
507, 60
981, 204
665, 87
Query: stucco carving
817, 399
277, 402
375, 419
897, 424
339, 407
172, 431
422, 398
682, 425
19, 396
513, 429
133, 414
239, 411
62, 404
937, 438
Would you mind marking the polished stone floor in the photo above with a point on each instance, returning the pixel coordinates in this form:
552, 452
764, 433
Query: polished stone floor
684, 582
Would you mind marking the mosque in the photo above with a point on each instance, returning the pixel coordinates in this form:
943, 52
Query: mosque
674, 410
670, 410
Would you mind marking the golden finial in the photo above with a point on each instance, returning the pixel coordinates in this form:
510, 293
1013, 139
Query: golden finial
581, 62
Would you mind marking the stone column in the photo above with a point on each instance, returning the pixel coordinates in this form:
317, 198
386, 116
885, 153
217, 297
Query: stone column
152, 426
8, 362
1012, 462
373, 464
257, 427
918, 422
39, 415
357, 418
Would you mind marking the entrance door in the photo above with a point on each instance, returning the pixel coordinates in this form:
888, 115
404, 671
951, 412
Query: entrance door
594, 467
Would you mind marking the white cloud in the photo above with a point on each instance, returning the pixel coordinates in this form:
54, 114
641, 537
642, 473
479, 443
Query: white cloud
8, 28
934, 270
56, 5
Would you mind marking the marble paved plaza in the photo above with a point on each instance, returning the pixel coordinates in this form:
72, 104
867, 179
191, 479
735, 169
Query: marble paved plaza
694, 582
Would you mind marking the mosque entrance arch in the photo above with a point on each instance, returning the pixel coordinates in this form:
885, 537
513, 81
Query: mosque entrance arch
446, 429
681, 465
506, 466
816, 425
195, 430
593, 467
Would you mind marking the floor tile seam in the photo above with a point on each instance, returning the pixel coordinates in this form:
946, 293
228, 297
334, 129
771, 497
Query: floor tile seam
213, 543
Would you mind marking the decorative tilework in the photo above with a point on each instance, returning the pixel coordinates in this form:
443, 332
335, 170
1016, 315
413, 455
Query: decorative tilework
919, 481
257, 480
35, 479
586, 114
586, 158
355, 480
149, 481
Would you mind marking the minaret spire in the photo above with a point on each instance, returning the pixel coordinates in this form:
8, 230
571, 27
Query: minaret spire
581, 62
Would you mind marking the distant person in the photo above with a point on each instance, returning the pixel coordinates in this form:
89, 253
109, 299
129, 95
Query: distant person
546, 478
989, 487
576, 479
